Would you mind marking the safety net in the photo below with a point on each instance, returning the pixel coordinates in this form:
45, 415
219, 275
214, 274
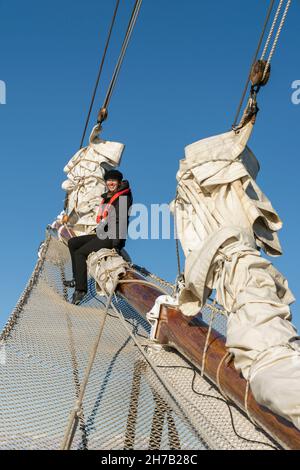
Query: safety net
139, 395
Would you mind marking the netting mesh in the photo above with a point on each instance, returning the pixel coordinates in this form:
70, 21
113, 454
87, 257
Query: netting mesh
44, 352
219, 320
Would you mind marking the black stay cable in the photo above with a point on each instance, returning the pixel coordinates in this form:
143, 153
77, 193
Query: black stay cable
126, 40
103, 111
254, 60
100, 71
206, 395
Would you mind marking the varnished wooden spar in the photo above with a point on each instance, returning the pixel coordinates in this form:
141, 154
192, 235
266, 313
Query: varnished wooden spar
139, 296
188, 337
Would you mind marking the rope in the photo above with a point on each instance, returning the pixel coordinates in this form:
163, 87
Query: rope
128, 34
116, 298
177, 241
267, 66
271, 30
277, 37
246, 399
214, 311
165, 383
146, 273
253, 61
206, 341
227, 357
167, 284
77, 412
225, 401
100, 71
74, 362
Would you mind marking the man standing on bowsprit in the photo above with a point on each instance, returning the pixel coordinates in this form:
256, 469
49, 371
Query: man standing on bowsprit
111, 231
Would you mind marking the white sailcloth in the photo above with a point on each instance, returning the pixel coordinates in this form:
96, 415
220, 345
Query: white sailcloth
85, 184
106, 267
223, 221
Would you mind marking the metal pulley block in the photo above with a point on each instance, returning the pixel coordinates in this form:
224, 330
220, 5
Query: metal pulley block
102, 115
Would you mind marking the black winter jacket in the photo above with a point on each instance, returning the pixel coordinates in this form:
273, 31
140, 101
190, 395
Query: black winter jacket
115, 225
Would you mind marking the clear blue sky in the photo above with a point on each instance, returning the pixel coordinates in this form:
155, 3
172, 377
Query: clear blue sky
182, 79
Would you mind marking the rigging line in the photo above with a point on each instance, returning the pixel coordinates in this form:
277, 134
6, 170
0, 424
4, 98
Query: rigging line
227, 403
130, 27
165, 383
74, 359
95, 297
100, 71
271, 30
176, 238
253, 60
76, 412
277, 36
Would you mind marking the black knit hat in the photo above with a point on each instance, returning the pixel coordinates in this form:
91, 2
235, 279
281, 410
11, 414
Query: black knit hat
113, 175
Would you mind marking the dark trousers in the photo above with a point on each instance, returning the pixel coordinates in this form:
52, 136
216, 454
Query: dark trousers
80, 248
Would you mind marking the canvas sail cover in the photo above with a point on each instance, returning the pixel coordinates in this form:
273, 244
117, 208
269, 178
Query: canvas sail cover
223, 222
85, 184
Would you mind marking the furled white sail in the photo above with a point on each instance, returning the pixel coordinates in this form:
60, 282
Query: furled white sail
85, 184
223, 221
106, 267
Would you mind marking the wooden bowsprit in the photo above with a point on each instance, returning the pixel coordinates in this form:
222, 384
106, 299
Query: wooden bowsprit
188, 337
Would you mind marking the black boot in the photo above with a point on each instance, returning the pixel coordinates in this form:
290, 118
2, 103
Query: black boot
78, 296
69, 283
